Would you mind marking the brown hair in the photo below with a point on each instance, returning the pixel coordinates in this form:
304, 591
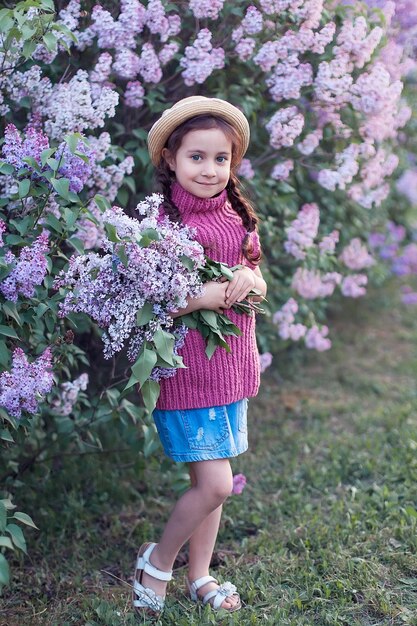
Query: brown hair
165, 177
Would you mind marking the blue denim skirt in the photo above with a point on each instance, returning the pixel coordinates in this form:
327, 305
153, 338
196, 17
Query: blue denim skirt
216, 432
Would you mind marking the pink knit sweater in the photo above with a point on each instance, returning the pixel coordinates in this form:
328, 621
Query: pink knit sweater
227, 376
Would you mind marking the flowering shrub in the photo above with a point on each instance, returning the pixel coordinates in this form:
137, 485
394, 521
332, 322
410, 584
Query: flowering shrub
324, 84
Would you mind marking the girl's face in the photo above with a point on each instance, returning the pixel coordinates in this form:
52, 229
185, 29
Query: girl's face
202, 163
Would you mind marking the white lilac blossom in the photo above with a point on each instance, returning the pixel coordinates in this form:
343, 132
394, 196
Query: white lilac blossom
112, 288
26, 383
68, 395
28, 271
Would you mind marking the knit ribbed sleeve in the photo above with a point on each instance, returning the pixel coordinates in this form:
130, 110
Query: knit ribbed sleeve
227, 376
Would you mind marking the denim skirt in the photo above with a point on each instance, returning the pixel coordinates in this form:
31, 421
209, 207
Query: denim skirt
215, 432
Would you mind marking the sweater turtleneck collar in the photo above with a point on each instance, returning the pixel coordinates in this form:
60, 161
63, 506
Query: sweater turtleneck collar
186, 201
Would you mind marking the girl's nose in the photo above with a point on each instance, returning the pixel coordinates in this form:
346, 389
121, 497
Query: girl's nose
209, 169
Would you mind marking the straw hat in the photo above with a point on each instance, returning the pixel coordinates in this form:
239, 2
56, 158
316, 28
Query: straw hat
190, 107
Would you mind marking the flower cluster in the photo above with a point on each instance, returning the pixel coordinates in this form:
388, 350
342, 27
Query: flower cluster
26, 383
265, 361
16, 148
206, 8
28, 271
73, 166
314, 337
303, 230
355, 255
239, 483
201, 59
68, 395
285, 126
143, 263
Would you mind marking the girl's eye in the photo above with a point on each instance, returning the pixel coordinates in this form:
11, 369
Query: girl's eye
196, 157
221, 159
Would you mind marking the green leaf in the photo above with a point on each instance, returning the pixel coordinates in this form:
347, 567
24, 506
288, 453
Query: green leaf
102, 202
210, 317
70, 216
9, 332
121, 253
10, 309
53, 164
24, 187
143, 367
3, 517
4, 571
17, 536
6, 436
164, 343
77, 243
72, 141
187, 262
6, 543
144, 315
189, 320
61, 186
50, 41
150, 394
46, 154
6, 168
111, 233
53, 222
25, 519
29, 48
212, 344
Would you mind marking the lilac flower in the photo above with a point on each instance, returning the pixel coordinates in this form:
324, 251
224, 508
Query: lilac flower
201, 59
316, 339
206, 8
265, 361
134, 94
354, 286
167, 52
285, 126
376, 240
252, 23
26, 383
73, 166
355, 255
302, 231
127, 63
310, 284
28, 271
15, 148
112, 292
68, 395
149, 65
407, 185
328, 243
282, 171
3, 229
239, 483
245, 48
409, 296
406, 263
246, 169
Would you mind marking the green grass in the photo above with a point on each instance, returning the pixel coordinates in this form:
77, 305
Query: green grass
324, 533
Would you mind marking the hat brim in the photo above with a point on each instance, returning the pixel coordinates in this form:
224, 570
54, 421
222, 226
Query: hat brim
191, 107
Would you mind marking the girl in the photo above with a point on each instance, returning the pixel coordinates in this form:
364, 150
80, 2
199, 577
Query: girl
196, 147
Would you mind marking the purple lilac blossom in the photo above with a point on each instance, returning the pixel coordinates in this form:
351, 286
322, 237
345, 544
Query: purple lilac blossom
206, 8
246, 169
15, 148
201, 59
73, 166
28, 271
3, 229
302, 231
239, 483
21, 388
134, 94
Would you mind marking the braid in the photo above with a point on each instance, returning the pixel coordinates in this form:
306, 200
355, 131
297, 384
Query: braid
245, 210
164, 180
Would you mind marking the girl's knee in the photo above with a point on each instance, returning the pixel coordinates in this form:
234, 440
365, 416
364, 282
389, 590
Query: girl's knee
214, 479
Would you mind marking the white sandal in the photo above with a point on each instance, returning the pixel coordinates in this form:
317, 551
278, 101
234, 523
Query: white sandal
225, 590
145, 599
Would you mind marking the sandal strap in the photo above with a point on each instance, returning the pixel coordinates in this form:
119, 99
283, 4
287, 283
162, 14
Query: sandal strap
147, 598
225, 590
200, 582
144, 564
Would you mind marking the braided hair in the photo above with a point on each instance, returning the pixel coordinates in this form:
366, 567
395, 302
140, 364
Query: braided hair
164, 178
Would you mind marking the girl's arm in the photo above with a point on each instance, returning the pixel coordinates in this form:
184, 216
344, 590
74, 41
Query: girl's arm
213, 298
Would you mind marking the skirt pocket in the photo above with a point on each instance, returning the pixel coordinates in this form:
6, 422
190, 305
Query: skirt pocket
207, 428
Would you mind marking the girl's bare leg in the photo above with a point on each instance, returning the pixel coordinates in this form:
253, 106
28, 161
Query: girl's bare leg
213, 484
201, 548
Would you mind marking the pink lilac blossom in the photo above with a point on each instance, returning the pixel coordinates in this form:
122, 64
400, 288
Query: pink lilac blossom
68, 395
134, 94
131, 21
239, 483
354, 40
149, 64
102, 68
407, 185
355, 255
282, 171
159, 23
246, 169
310, 142
302, 231
288, 78
206, 8
127, 63
310, 284
201, 59
252, 23
353, 286
265, 361
328, 243
26, 383
333, 81
167, 52
285, 317
28, 271
245, 48
316, 339
285, 126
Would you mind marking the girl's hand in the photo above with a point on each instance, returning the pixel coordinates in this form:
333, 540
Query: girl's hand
214, 297
237, 289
